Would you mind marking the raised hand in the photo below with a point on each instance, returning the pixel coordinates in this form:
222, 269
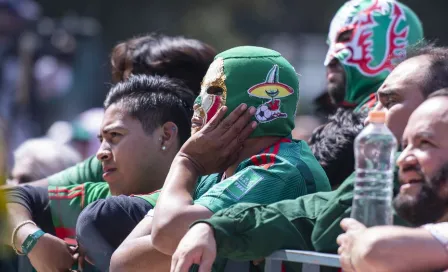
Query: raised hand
217, 145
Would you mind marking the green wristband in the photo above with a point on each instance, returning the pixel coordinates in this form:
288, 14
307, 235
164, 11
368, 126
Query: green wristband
31, 241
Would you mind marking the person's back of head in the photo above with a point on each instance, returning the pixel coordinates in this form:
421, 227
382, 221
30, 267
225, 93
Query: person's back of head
332, 144
157, 54
365, 38
39, 158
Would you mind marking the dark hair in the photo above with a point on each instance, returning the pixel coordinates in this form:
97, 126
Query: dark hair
155, 100
332, 144
437, 78
157, 54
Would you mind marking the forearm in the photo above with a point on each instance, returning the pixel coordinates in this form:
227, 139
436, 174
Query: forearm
250, 231
395, 249
174, 211
28, 203
139, 255
17, 214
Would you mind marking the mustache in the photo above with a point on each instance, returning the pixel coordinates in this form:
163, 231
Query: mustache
413, 168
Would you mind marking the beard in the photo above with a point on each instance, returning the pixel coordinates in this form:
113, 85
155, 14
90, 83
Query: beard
336, 92
427, 206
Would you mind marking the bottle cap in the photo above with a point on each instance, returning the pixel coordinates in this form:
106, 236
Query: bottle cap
377, 116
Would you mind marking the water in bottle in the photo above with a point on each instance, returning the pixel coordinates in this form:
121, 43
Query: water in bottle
375, 149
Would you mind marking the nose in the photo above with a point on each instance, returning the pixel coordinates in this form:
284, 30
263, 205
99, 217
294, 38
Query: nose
104, 153
406, 159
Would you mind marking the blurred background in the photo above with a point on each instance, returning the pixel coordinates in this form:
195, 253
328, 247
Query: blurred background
54, 54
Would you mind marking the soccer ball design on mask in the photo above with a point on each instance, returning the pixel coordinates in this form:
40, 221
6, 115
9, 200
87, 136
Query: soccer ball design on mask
270, 89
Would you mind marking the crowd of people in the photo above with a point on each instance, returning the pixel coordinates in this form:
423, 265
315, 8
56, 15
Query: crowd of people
197, 168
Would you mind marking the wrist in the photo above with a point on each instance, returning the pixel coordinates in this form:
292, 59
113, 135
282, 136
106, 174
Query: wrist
189, 163
22, 234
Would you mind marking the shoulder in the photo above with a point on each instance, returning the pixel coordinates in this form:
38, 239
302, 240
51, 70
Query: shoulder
285, 158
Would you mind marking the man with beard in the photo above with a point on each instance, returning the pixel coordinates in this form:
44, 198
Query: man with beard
423, 199
311, 222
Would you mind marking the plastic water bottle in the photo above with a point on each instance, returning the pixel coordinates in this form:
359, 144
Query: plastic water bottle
375, 149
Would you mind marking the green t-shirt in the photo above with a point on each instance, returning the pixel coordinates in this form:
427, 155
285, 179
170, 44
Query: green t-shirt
88, 170
285, 170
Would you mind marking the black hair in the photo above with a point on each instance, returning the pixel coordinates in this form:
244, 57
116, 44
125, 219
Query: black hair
155, 100
157, 54
332, 144
437, 78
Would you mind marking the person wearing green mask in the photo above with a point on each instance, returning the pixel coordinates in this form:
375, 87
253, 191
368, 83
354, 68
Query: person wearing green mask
365, 38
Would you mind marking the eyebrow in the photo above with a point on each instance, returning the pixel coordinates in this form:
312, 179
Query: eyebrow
106, 129
424, 134
387, 92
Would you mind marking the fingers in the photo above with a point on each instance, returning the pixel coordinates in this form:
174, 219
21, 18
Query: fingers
351, 224
232, 130
239, 138
216, 120
183, 264
346, 263
232, 118
341, 239
207, 261
206, 266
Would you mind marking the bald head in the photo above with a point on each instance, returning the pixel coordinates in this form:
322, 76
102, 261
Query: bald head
430, 117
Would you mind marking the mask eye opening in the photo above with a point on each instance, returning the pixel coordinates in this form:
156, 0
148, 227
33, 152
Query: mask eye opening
215, 90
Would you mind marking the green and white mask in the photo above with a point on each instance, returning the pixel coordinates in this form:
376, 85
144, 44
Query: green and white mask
379, 33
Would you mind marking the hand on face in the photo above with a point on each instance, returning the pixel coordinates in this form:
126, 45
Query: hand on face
52, 254
217, 145
346, 241
197, 247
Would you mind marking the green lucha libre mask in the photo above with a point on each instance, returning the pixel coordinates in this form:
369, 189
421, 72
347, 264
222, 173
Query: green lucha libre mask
379, 33
257, 76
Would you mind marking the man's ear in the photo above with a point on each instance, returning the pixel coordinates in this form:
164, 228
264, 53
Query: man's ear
169, 137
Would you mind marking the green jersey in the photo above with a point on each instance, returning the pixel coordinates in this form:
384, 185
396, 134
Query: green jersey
285, 170
88, 170
309, 222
